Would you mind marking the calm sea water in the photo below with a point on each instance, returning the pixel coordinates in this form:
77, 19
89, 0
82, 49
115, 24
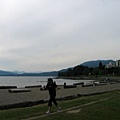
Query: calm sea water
28, 81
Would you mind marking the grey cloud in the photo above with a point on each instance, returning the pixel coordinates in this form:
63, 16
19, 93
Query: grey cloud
58, 33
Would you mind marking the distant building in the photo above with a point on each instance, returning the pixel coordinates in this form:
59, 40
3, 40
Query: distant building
117, 63
111, 64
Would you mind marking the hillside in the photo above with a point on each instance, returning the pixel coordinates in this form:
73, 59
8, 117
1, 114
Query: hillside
92, 63
90, 68
96, 63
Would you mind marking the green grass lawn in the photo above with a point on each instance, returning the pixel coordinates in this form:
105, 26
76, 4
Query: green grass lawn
102, 110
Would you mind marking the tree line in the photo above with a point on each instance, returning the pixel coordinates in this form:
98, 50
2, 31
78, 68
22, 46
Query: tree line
81, 70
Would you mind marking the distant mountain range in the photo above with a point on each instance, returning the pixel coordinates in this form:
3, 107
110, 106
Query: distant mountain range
53, 73
96, 63
17, 73
7, 73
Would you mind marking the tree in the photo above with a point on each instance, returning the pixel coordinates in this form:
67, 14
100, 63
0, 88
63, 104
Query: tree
96, 71
100, 65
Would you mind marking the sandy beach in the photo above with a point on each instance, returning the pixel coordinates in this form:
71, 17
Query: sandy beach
35, 94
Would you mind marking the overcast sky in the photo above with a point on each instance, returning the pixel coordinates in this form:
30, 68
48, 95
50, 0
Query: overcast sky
47, 35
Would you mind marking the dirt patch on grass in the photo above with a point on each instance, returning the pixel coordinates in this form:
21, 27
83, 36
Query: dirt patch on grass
74, 111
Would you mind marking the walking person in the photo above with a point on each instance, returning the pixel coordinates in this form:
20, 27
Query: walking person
52, 87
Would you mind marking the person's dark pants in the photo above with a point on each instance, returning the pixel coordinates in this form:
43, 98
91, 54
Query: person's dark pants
52, 99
